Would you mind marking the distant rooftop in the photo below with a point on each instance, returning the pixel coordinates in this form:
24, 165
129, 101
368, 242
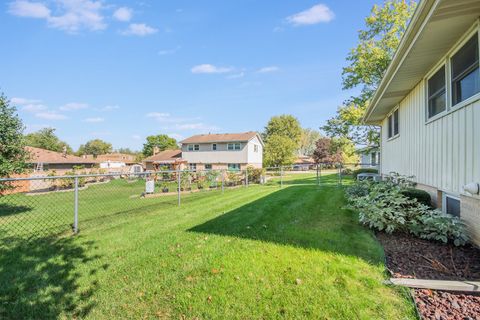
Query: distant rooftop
220, 137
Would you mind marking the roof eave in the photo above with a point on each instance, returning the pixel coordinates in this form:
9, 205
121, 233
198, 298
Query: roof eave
416, 24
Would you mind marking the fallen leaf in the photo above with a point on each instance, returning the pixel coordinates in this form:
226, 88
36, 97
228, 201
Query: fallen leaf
298, 281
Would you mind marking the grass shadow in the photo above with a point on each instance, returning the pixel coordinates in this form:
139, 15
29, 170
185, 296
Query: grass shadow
306, 216
7, 209
38, 279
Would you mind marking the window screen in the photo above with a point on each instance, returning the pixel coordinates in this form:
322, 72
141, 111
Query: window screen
465, 72
436, 93
452, 206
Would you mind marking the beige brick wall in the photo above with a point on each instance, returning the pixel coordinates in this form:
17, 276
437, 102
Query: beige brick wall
470, 212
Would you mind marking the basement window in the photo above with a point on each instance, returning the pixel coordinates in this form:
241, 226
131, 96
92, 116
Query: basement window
465, 71
436, 93
451, 205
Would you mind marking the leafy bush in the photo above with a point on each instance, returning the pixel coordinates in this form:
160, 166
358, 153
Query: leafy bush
347, 172
421, 196
435, 225
255, 174
356, 172
384, 206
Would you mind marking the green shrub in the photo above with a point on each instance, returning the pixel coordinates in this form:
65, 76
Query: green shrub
384, 206
347, 172
254, 174
421, 196
356, 172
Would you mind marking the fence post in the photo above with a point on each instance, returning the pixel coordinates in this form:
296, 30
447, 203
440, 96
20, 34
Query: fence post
281, 176
178, 185
318, 176
340, 172
246, 178
75, 209
223, 180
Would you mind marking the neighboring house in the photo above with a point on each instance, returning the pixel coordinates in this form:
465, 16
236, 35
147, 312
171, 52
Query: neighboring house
369, 157
304, 163
168, 159
232, 151
113, 160
428, 107
42, 160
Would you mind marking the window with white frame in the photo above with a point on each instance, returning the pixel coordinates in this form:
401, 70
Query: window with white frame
193, 147
192, 166
208, 166
465, 72
234, 167
214, 146
451, 205
233, 146
437, 102
255, 148
393, 124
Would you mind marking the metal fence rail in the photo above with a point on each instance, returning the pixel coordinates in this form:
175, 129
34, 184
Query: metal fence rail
34, 207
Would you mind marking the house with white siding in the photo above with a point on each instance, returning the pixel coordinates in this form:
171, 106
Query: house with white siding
232, 151
428, 107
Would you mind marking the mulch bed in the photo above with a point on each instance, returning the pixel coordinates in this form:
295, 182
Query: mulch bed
410, 257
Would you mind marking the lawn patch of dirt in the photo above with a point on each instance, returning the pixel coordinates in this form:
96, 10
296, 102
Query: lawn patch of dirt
410, 257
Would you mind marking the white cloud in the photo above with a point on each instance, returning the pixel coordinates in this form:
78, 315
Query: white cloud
29, 9
123, 14
159, 116
268, 69
136, 137
209, 69
94, 120
316, 14
51, 115
73, 106
168, 51
109, 108
236, 75
24, 101
70, 15
139, 29
33, 107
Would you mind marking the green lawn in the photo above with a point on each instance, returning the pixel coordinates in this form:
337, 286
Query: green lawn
261, 252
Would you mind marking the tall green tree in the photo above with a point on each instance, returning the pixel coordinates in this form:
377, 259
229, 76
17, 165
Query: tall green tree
282, 138
13, 157
95, 147
284, 125
47, 139
162, 142
279, 151
307, 142
367, 63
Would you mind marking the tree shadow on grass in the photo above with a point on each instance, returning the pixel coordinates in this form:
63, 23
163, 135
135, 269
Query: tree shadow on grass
39, 279
302, 216
7, 209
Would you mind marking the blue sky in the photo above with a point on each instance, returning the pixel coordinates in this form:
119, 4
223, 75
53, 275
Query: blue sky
122, 70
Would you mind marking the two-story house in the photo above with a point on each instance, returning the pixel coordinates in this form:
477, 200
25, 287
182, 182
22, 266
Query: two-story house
231, 151
428, 107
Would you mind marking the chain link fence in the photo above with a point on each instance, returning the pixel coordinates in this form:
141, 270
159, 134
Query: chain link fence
34, 207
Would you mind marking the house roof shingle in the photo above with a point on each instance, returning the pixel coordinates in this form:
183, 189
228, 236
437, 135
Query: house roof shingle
166, 156
220, 137
39, 155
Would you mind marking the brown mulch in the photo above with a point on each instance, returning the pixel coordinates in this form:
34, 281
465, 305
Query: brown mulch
410, 257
